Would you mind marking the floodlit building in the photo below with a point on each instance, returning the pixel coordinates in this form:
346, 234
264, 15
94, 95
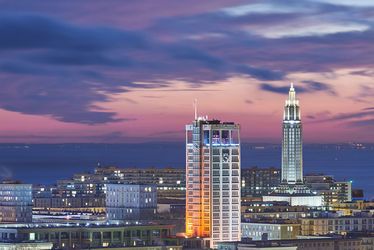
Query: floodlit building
15, 202
130, 202
292, 188
213, 181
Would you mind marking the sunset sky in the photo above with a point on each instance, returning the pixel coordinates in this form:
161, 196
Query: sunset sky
129, 71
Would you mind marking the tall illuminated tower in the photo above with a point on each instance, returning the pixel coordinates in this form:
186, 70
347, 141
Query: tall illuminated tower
292, 147
213, 181
292, 188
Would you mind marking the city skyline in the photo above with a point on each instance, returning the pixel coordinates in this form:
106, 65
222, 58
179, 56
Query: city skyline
115, 72
183, 125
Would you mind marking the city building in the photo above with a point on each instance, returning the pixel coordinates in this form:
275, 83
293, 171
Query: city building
130, 202
331, 190
15, 202
276, 210
336, 225
86, 204
292, 188
310, 243
270, 230
257, 182
349, 208
87, 192
170, 182
25, 245
91, 235
213, 180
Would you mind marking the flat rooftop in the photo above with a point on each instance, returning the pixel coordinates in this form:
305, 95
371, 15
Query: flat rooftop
91, 224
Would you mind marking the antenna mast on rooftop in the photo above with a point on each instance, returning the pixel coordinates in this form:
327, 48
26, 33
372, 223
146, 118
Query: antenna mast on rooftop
195, 108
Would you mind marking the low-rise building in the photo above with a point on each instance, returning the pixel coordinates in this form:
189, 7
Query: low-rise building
336, 225
256, 182
86, 192
73, 204
349, 208
270, 230
331, 190
170, 182
90, 235
27, 245
130, 201
275, 210
360, 241
316, 243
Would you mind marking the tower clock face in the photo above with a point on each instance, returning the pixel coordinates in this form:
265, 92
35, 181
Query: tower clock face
225, 157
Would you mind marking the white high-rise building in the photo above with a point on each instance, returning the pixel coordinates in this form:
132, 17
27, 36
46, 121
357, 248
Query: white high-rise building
213, 181
292, 188
292, 146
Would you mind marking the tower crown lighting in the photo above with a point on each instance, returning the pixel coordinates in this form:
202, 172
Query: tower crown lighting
292, 159
291, 107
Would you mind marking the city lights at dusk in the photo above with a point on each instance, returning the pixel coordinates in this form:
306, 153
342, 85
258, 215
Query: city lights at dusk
171, 125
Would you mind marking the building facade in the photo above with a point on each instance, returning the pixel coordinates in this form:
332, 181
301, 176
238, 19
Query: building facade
170, 182
213, 180
88, 204
91, 236
15, 202
87, 192
25, 245
256, 182
270, 231
130, 202
350, 208
276, 210
338, 225
318, 243
332, 191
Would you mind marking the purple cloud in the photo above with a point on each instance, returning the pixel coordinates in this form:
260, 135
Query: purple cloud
362, 123
307, 87
47, 63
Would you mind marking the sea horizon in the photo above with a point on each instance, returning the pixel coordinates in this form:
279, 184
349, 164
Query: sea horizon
47, 163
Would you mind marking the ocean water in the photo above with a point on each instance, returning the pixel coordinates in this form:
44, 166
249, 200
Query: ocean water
46, 163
